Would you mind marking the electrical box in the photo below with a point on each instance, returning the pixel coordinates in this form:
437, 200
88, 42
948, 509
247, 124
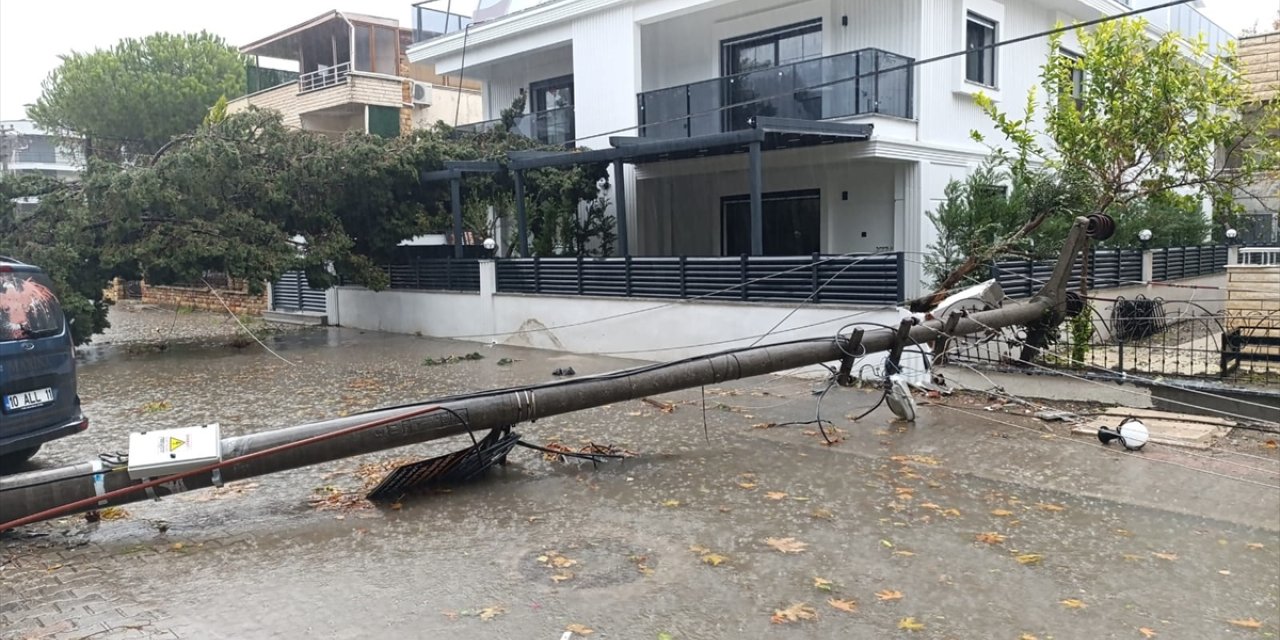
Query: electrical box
163, 452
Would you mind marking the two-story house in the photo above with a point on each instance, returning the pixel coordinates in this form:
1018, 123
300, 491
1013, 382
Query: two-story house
769, 127
26, 149
348, 72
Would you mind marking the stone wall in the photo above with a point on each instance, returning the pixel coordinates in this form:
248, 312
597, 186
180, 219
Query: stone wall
240, 302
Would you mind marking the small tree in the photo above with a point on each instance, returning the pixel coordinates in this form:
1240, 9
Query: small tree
1133, 124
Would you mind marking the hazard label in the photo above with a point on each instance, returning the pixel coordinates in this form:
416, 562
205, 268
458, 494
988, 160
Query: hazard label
174, 443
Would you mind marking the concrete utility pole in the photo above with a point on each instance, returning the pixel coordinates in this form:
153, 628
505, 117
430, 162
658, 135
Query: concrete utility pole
26, 494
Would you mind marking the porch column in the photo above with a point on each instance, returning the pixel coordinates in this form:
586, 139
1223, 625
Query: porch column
522, 219
757, 203
620, 207
455, 197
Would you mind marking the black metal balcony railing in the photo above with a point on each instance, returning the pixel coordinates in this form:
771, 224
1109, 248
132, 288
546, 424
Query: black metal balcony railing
842, 85
553, 127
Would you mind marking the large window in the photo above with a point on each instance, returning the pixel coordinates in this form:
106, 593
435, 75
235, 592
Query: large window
792, 224
755, 87
553, 120
377, 49
980, 63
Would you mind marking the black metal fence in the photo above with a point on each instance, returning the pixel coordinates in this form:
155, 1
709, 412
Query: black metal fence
448, 274
1188, 262
873, 279
1107, 268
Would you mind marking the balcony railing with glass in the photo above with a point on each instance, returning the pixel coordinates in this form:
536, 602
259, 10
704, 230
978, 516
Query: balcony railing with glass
553, 127
867, 81
262, 78
431, 23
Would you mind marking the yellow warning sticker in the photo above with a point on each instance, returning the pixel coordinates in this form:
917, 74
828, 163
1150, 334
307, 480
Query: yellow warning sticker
174, 443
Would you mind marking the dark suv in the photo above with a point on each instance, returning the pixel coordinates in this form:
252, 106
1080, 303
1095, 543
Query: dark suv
38, 400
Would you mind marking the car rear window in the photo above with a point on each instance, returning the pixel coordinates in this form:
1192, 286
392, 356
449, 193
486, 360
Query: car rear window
28, 308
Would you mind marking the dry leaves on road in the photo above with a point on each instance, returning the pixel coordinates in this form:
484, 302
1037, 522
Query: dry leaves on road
990, 537
888, 595
1001, 512
1247, 623
925, 460
1254, 545
775, 495
670, 503
580, 629
1165, 555
910, 624
1147, 632
796, 612
1073, 603
489, 613
1045, 506
786, 545
1028, 558
822, 584
714, 559
848, 606
821, 514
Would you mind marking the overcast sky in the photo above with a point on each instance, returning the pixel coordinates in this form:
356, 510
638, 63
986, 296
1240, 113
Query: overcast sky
34, 32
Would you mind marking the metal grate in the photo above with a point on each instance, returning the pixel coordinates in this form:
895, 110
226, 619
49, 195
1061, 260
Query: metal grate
451, 468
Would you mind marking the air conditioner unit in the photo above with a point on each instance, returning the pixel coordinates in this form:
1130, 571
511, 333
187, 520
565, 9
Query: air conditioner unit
421, 93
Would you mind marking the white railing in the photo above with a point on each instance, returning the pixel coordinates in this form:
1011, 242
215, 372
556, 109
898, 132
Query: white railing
324, 77
1260, 256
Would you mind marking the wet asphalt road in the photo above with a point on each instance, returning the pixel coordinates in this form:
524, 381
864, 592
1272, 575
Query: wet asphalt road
966, 527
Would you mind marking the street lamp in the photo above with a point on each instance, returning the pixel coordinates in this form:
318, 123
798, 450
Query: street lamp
489, 245
1144, 237
1231, 236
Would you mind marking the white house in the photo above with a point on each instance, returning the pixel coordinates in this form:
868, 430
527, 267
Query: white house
681, 95
26, 149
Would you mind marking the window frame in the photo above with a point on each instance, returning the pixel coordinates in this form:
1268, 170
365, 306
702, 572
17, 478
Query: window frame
990, 62
1077, 77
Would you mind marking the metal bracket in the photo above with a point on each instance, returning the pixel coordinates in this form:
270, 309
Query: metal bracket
216, 477
948, 331
892, 364
845, 377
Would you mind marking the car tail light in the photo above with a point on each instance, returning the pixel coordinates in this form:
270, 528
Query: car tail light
84, 425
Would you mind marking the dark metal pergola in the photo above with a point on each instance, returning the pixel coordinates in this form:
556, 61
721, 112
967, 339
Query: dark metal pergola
766, 134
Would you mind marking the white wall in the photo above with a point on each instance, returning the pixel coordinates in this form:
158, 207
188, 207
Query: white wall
678, 212
504, 81
675, 330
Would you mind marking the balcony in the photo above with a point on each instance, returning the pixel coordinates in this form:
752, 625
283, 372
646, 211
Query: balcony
867, 81
433, 23
551, 127
324, 77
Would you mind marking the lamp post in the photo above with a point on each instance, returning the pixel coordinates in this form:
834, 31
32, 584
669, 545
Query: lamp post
1231, 236
1144, 238
489, 246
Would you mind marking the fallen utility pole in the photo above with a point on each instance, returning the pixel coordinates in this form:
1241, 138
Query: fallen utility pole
28, 497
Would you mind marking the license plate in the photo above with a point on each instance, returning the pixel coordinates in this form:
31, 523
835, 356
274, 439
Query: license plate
28, 399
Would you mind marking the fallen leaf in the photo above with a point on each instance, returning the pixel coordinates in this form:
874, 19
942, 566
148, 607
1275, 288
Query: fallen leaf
561, 577
1224, 572
177, 546
1027, 636
670, 503
1254, 545
1029, 558
697, 548
794, 613
786, 545
990, 537
1001, 512
775, 495
1147, 632
1248, 623
1165, 556
848, 606
1050, 507
1129, 557
1270, 444
930, 505
747, 485
580, 629
910, 624
663, 635
928, 460
955, 513
561, 562
53, 567
489, 613
903, 491
888, 595
904, 553
886, 544
1073, 603
396, 506
825, 514
714, 559
822, 584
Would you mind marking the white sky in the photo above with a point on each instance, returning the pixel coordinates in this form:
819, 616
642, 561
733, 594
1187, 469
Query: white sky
34, 32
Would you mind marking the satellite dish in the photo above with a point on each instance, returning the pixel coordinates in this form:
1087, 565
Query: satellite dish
899, 399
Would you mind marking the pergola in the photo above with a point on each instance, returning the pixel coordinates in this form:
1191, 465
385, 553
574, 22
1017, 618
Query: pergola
765, 134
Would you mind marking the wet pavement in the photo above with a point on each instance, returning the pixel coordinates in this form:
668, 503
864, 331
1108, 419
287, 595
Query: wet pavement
967, 524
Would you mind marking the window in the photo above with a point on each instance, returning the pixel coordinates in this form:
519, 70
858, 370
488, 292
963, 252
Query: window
792, 223
1072, 60
377, 49
748, 62
980, 63
988, 192
553, 120
772, 48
